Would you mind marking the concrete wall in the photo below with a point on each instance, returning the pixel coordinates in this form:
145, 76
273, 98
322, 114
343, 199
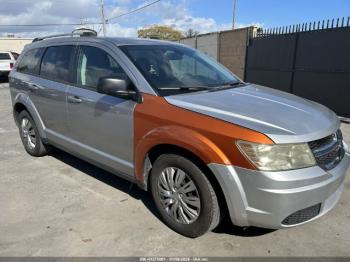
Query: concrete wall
233, 48
208, 44
228, 47
13, 44
189, 41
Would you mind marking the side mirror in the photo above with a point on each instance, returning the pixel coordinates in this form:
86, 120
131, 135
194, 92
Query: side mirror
118, 88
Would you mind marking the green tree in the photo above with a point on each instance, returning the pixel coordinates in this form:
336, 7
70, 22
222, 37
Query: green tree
191, 33
160, 32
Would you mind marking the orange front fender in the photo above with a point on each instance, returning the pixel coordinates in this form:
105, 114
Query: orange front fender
179, 136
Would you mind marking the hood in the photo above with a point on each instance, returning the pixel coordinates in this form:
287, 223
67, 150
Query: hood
283, 117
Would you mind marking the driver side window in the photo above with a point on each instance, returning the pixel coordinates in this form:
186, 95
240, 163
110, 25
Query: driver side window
93, 64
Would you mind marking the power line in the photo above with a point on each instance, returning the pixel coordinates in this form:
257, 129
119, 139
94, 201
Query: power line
87, 23
29, 25
133, 11
36, 25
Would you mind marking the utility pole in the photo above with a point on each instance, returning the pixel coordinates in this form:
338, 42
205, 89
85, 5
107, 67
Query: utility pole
234, 14
103, 18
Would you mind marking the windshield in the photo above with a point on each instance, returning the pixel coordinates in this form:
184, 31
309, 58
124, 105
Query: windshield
175, 69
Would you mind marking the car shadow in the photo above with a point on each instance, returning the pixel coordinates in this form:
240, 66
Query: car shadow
225, 227
108, 178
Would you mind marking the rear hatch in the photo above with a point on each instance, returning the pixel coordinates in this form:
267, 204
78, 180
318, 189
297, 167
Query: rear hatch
6, 61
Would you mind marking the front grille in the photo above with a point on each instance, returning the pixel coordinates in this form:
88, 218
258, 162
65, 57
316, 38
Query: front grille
328, 151
302, 215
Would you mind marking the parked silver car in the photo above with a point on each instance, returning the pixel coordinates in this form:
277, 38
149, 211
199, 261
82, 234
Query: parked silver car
175, 122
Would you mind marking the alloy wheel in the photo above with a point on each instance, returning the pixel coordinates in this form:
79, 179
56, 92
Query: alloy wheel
28, 133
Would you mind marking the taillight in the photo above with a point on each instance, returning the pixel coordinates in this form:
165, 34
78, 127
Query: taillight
11, 65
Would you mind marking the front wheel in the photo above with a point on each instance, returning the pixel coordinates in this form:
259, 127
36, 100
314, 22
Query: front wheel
183, 195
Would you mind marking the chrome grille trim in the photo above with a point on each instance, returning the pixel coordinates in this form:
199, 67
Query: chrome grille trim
328, 151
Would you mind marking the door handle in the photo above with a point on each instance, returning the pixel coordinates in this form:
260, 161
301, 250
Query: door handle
33, 87
74, 99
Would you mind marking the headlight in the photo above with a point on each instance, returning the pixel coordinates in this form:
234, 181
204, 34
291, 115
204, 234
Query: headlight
278, 157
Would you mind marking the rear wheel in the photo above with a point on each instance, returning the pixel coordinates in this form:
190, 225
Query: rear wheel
30, 137
183, 195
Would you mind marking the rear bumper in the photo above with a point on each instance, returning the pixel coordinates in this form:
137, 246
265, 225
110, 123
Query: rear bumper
266, 199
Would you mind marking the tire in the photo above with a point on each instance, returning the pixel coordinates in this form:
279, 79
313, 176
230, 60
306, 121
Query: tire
30, 137
195, 218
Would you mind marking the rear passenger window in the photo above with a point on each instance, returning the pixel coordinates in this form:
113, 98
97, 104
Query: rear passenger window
93, 64
56, 62
30, 62
5, 56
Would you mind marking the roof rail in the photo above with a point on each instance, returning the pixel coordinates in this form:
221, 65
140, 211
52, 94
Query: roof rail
77, 32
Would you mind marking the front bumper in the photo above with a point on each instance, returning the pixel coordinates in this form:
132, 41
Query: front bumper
266, 199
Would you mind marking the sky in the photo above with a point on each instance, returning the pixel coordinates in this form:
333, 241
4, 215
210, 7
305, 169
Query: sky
201, 15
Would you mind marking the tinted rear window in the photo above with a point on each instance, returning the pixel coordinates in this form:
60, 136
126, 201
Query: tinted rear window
5, 56
56, 62
30, 61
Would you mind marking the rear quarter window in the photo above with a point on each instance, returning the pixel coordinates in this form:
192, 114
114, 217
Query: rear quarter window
5, 56
30, 62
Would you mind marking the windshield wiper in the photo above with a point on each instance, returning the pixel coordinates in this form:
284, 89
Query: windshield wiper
197, 87
226, 85
200, 87
231, 83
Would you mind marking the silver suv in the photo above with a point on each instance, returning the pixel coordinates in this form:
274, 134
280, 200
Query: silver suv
179, 124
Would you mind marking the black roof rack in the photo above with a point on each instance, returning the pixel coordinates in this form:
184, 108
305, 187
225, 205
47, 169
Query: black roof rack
77, 32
